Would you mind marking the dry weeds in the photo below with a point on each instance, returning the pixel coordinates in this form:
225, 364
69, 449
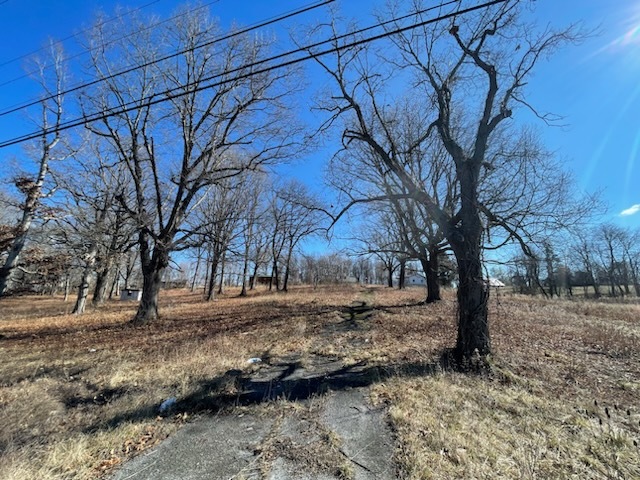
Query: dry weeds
78, 395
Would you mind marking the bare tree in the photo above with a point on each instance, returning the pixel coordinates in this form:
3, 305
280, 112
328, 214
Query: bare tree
302, 217
584, 248
91, 220
630, 243
414, 231
177, 131
468, 74
52, 79
609, 248
216, 223
254, 211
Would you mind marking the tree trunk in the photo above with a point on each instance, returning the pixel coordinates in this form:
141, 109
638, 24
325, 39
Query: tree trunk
390, 275
431, 267
274, 276
213, 272
255, 275
148, 308
83, 292
113, 290
245, 270
285, 286
10, 263
83, 289
152, 270
401, 277
222, 265
100, 292
473, 293
67, 283
195, 274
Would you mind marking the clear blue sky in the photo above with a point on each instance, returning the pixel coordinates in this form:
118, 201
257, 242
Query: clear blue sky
595, 86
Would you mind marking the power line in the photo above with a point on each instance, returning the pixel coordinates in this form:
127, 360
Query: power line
89, 50
169, 95
264, 23
151, 101
273, 19
62, 40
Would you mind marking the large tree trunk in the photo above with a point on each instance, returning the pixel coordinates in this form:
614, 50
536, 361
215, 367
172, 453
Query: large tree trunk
152, 271
102, 282
148, 308
390, 275
6, 271
473, 292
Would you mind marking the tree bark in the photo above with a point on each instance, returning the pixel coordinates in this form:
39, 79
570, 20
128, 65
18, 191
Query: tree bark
83, 288
100, 292
114, 285
431, 267
253, 278
67, 282
285, 286
401, 276
83, 292
11, 262
222, 265
274, 277
195, 274
245, 270
153, 267
213, 272
473, 293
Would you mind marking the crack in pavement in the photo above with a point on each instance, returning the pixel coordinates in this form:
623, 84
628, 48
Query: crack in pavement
334, 433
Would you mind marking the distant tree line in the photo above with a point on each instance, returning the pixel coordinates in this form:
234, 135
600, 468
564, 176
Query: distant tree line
603, 260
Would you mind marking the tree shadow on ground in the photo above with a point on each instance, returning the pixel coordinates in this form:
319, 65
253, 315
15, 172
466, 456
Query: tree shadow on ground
291, 379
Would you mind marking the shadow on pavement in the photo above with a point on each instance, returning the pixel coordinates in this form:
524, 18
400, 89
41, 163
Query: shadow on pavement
290, 379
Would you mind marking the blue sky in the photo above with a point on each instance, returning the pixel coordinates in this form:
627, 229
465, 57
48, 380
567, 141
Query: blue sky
595, 86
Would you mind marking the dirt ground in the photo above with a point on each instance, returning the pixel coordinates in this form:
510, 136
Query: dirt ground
79, 395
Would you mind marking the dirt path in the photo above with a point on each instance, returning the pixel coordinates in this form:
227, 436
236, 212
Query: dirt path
330, 431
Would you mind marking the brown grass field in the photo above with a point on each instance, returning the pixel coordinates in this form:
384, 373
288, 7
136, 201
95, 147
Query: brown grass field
79, 394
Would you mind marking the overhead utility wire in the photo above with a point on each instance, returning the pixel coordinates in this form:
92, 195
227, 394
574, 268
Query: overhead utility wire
243, 67
69, 37
84, 52
150, 102
173, 55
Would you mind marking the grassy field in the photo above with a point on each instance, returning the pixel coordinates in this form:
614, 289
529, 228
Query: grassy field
79, 395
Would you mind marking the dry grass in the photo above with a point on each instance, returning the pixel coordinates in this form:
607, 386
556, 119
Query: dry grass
80, 394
